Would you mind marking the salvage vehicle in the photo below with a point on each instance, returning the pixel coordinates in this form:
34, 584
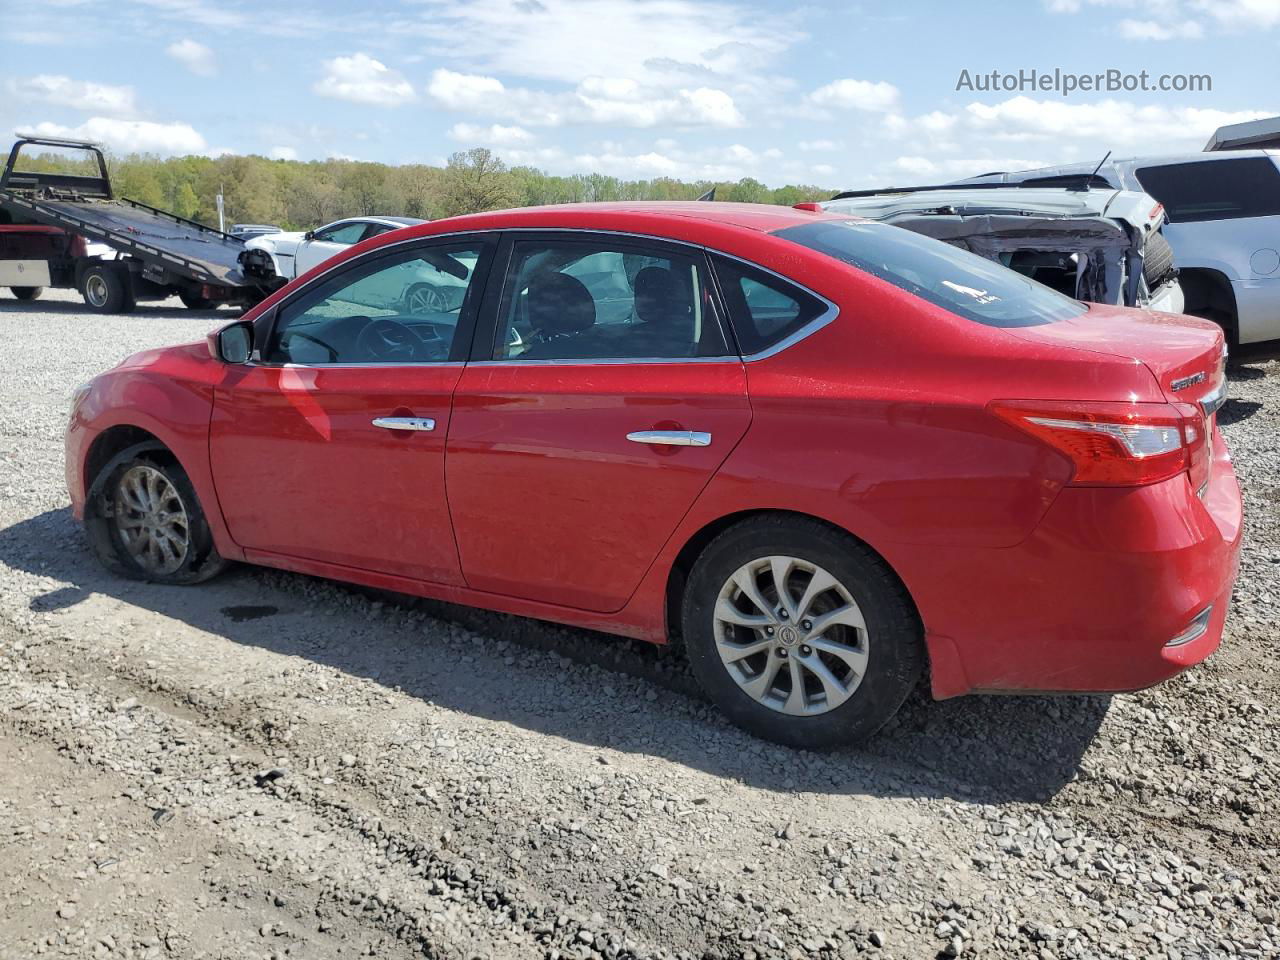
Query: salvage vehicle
246, 230
1100, 245
156, 254
1224, 228
829, 456
295, 252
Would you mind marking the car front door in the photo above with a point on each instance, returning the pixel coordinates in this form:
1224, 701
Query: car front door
330, 446
327, 242
595, 410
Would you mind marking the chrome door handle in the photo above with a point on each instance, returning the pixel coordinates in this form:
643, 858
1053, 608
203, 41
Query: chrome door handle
672, 438
405, 423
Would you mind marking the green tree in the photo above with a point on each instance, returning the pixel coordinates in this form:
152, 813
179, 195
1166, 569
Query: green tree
475, 181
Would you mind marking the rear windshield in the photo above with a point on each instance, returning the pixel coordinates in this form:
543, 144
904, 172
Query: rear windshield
1215, 189
946, 276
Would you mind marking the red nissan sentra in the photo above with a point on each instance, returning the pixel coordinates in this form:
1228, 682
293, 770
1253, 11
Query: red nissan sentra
829, 455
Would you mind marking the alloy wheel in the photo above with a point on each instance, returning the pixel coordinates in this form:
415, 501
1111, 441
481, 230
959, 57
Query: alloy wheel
791, 635
151, 520
427, 300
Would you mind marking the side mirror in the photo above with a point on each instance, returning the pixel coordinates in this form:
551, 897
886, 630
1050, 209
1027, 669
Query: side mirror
309, 235
234, 343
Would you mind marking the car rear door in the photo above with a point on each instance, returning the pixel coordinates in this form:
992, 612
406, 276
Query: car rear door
330, 447
584, 428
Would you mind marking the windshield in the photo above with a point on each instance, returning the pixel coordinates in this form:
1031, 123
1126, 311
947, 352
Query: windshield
946, 276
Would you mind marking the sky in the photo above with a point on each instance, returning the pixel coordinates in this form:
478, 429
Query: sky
843, 95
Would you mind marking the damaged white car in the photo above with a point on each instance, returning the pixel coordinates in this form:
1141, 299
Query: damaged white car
1100, 245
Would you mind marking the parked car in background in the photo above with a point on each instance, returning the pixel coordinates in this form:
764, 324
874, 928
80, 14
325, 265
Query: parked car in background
296, 252
1224, 228
246, 230
829, 455
1099, 245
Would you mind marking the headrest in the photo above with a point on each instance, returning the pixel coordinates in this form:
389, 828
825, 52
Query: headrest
558, 304
659, 297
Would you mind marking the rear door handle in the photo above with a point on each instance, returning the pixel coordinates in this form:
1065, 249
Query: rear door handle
405, 423
671, 438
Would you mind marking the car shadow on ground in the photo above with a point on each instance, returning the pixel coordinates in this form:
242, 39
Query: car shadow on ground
980, 749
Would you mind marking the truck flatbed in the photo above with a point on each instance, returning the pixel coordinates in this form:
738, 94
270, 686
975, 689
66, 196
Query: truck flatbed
157, 254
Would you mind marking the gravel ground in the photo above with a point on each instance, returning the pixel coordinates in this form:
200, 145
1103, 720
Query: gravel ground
278, 766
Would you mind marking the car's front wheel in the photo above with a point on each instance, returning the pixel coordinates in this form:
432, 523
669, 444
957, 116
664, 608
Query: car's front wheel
26, 293
799, 633
146, 523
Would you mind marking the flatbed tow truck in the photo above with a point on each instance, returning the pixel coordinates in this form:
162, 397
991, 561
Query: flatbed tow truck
65, 230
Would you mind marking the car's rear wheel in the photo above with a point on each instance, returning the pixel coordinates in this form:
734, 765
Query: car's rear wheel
26, 293
799, 633
146, 523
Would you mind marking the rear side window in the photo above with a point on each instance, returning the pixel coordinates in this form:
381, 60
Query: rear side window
954, 279
1215, 189
764, 309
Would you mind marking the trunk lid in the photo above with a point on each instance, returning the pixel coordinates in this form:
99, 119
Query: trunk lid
1186, 355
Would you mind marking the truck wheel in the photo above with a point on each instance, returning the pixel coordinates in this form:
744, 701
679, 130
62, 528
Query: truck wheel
107, 288
193, 302
26, 293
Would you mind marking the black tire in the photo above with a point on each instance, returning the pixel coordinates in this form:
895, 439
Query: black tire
26, 293
107, 288
894, 645
193, 302
426, 297
107, 509
1157, 260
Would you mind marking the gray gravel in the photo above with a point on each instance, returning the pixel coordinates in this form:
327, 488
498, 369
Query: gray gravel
277, 766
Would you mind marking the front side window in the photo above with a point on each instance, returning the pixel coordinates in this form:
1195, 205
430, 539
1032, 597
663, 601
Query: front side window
603, 300
346, 233
956, 280
1215, 189
400, 308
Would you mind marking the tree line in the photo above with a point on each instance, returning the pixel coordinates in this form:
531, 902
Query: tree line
296, 194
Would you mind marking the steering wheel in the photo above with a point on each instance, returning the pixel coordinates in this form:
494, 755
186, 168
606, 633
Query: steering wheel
385, 340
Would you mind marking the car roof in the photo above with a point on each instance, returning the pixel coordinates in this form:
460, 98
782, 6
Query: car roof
640, 215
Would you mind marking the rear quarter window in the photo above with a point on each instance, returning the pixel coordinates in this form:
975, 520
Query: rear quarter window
764, 309
1215, 189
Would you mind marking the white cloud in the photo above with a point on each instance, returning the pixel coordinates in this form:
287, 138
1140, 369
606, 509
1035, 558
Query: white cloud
916, 166
196, 57
1242, 14
283, 153
1153, 30
129, 136
614, 101
493, 135
360, 78
64, 92
817, 146
653, 42
876, 96
1114, 122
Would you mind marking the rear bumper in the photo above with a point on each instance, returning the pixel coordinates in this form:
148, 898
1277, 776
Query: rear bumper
1091, 599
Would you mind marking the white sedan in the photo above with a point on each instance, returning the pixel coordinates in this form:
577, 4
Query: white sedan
294, 253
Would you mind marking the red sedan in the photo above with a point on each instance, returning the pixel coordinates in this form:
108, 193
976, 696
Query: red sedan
828, 455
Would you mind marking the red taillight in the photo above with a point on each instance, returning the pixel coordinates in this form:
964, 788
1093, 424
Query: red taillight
809, 206
1111, 444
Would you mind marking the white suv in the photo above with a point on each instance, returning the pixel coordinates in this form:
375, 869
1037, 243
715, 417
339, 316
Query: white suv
1224, 227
